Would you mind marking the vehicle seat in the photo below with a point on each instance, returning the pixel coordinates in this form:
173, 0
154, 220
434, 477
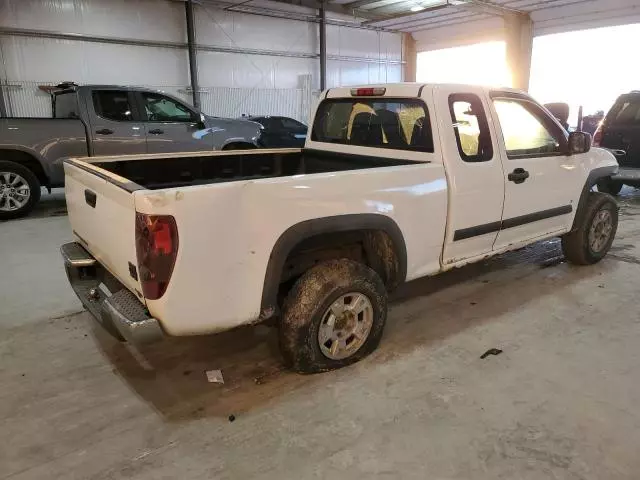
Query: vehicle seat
422, 137
391, 127
366, 130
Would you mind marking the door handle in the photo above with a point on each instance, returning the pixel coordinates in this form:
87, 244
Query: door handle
104, 131
91, 198
519, 175
156, 131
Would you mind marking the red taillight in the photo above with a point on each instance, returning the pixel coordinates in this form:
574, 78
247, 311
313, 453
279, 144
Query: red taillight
156, 250
368, 92
597, 136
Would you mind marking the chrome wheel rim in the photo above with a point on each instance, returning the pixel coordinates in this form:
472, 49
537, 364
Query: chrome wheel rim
345, 326
14, 192
600, 231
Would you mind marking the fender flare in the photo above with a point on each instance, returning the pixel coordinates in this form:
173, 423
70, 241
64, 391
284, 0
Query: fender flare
299, 232
593, 177
32, 153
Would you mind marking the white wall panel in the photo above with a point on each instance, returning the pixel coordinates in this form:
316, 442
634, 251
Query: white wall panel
231, 29
232, 83
249, 71
585, 15
140, 19
41, 59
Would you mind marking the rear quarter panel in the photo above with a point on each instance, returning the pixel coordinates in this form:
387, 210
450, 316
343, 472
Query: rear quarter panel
227, 233
48, 140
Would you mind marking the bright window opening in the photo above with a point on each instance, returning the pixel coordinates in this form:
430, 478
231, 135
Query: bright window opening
479, 64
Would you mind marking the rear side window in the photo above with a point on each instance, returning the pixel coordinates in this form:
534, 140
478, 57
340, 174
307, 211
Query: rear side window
400, 124
112, 105
291, 124
66, 105
625, 112
471, 128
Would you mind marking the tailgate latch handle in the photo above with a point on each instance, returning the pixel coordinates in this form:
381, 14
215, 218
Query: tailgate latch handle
91, 198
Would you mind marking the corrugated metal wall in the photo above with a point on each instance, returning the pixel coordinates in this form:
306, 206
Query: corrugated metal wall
280, 76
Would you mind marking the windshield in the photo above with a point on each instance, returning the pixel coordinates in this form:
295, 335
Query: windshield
401, 124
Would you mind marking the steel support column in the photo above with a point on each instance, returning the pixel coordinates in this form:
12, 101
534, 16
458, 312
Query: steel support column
323, 48
191, 46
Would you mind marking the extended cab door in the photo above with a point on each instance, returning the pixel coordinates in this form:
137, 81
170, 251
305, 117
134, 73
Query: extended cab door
172, 126
474, 173
540, 179
115, 128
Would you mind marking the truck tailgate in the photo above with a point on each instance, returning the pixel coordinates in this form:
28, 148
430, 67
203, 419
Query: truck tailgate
102, 215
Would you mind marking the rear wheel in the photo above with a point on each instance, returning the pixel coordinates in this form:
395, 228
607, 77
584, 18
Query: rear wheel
19, 190
596, 228
607, 185
333, 316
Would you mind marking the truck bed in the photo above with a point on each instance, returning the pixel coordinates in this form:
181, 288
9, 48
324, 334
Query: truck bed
154, 172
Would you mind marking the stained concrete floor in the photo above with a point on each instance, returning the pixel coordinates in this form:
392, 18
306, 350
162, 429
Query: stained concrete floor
560, 402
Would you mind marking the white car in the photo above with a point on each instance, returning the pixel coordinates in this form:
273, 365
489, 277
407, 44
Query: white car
395, 182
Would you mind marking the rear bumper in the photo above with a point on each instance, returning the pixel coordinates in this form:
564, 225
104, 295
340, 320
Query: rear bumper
627, 174
117, 309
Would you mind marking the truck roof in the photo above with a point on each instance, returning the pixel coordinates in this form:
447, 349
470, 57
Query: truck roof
407, 89
71, 87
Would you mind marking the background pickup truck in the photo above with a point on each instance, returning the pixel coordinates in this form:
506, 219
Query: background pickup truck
103, 120
395, 182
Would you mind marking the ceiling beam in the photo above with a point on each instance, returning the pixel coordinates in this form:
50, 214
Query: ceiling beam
405, 15
364, 3
483, 6
478, 6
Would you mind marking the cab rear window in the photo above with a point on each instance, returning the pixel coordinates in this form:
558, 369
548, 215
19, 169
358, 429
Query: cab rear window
399, 124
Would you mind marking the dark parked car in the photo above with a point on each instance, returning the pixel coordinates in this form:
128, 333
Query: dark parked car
620, 132
281, 132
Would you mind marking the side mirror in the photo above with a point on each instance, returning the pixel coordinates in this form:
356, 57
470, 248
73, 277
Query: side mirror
201, 121
579, 142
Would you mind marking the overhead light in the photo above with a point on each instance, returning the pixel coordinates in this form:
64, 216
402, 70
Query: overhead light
416, 8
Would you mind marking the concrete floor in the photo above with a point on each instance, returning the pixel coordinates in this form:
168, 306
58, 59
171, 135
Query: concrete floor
559, 403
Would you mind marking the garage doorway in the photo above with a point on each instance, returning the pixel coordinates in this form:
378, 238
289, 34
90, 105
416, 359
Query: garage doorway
478, 64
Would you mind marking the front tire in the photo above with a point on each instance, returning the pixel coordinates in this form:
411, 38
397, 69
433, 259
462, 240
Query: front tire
607, 185
333, 316
19, 190
596, 228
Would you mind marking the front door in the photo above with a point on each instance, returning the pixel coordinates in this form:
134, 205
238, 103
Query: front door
115, 129
474, 170
172, 126
538, 175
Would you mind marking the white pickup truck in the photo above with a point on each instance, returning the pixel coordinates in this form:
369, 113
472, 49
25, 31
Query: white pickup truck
395, 182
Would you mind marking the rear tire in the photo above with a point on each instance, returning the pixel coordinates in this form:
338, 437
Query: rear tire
19, 190
596, 228
339, 301
612, 187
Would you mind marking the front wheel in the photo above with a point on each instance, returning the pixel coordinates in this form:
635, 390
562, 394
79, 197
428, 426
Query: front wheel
333, 316
596, 228
607, 185
19, 190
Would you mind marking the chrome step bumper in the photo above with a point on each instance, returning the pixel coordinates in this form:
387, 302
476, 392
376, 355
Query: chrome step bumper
116, 308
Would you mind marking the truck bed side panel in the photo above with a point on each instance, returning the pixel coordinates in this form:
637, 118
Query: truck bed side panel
49, 140
227, 232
